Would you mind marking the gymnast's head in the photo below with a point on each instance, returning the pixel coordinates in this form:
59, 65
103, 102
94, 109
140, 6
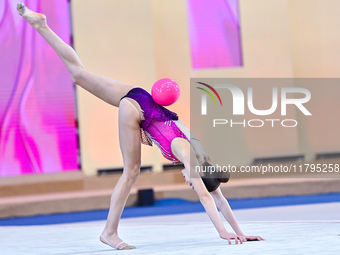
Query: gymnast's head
165, 92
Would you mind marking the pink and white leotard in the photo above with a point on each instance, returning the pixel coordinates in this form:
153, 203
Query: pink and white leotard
158, 125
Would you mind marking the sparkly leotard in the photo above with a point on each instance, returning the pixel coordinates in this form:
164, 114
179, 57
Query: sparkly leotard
158, 125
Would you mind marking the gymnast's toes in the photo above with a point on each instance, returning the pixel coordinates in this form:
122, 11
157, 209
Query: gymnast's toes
128, 247
21, 8
37, 20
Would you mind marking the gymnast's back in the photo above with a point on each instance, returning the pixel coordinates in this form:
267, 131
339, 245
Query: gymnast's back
160, 126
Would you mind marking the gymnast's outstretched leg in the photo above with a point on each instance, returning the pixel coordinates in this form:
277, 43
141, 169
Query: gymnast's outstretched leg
111, 92
107, 89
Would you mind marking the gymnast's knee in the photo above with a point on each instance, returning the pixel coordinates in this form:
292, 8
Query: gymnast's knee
131, 173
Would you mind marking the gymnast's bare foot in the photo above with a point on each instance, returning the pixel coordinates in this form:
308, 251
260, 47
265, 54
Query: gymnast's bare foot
115, 242
36, 20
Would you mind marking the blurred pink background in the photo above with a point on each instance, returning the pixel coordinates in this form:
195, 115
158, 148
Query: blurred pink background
38, 132
214, 30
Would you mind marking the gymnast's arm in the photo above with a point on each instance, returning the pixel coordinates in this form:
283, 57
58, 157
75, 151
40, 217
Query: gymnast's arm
224, 207
228, 214
182, 149
210, 207
221, 202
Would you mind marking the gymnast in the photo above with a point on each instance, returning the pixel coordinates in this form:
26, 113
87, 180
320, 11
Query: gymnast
139, 114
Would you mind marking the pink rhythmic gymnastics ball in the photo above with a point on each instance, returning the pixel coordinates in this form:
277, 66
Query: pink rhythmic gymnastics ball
165, 92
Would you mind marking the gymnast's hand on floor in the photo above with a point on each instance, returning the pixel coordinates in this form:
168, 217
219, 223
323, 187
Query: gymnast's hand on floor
254, 238
229, 236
